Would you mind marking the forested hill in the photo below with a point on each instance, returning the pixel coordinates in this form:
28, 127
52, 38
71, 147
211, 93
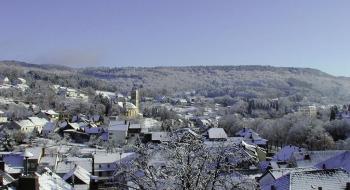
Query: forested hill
211, 81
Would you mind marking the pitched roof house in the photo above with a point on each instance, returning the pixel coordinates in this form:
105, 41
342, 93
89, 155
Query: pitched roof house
217, 134
251, 137
315, 179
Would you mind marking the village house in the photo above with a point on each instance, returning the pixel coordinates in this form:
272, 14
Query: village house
49, 115
251, 137
48, 180
39, 123
270, 176
118, 132
157, 137
79, 177
26, 126
310, 111
315, 179
105, 163
217, 134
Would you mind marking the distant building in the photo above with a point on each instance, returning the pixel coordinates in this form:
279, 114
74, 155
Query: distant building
3, 118
251, 137
49, 114
135, 99
310, 111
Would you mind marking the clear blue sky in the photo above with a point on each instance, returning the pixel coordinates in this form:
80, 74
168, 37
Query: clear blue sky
299, 33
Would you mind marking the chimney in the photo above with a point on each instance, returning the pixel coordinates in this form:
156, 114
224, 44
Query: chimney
125, 122
324, 166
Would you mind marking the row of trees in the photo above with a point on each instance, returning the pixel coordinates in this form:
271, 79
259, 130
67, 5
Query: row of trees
295, 129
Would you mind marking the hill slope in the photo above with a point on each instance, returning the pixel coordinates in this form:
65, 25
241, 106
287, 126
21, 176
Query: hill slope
213, 81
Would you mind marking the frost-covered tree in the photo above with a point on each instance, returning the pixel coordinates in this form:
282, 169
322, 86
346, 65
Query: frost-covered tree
186, 163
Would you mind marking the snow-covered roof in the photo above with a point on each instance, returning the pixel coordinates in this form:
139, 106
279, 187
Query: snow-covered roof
49, 112
150, 123
106, 94
311, 158
25, 123
135, 126
160, 136
120, 127
38, 121
104, 158
316, 179
48, 160
75, 126
339, 161
251, 136
49, 180
217, 133
80, 173
129, 105
35, 151
65, 166
286, 153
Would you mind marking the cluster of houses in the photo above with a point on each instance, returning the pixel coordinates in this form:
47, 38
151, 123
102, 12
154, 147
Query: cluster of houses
84, 163
70, 93
18, 83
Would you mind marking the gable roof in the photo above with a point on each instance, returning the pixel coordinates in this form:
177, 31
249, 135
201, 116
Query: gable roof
49, 180
80, 173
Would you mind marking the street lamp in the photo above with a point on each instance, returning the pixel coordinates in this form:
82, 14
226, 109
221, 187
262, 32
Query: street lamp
27, 155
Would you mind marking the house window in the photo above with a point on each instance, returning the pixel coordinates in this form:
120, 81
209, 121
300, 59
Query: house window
99, 166
108, 166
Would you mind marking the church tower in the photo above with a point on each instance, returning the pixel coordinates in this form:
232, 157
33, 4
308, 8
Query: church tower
135, 98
